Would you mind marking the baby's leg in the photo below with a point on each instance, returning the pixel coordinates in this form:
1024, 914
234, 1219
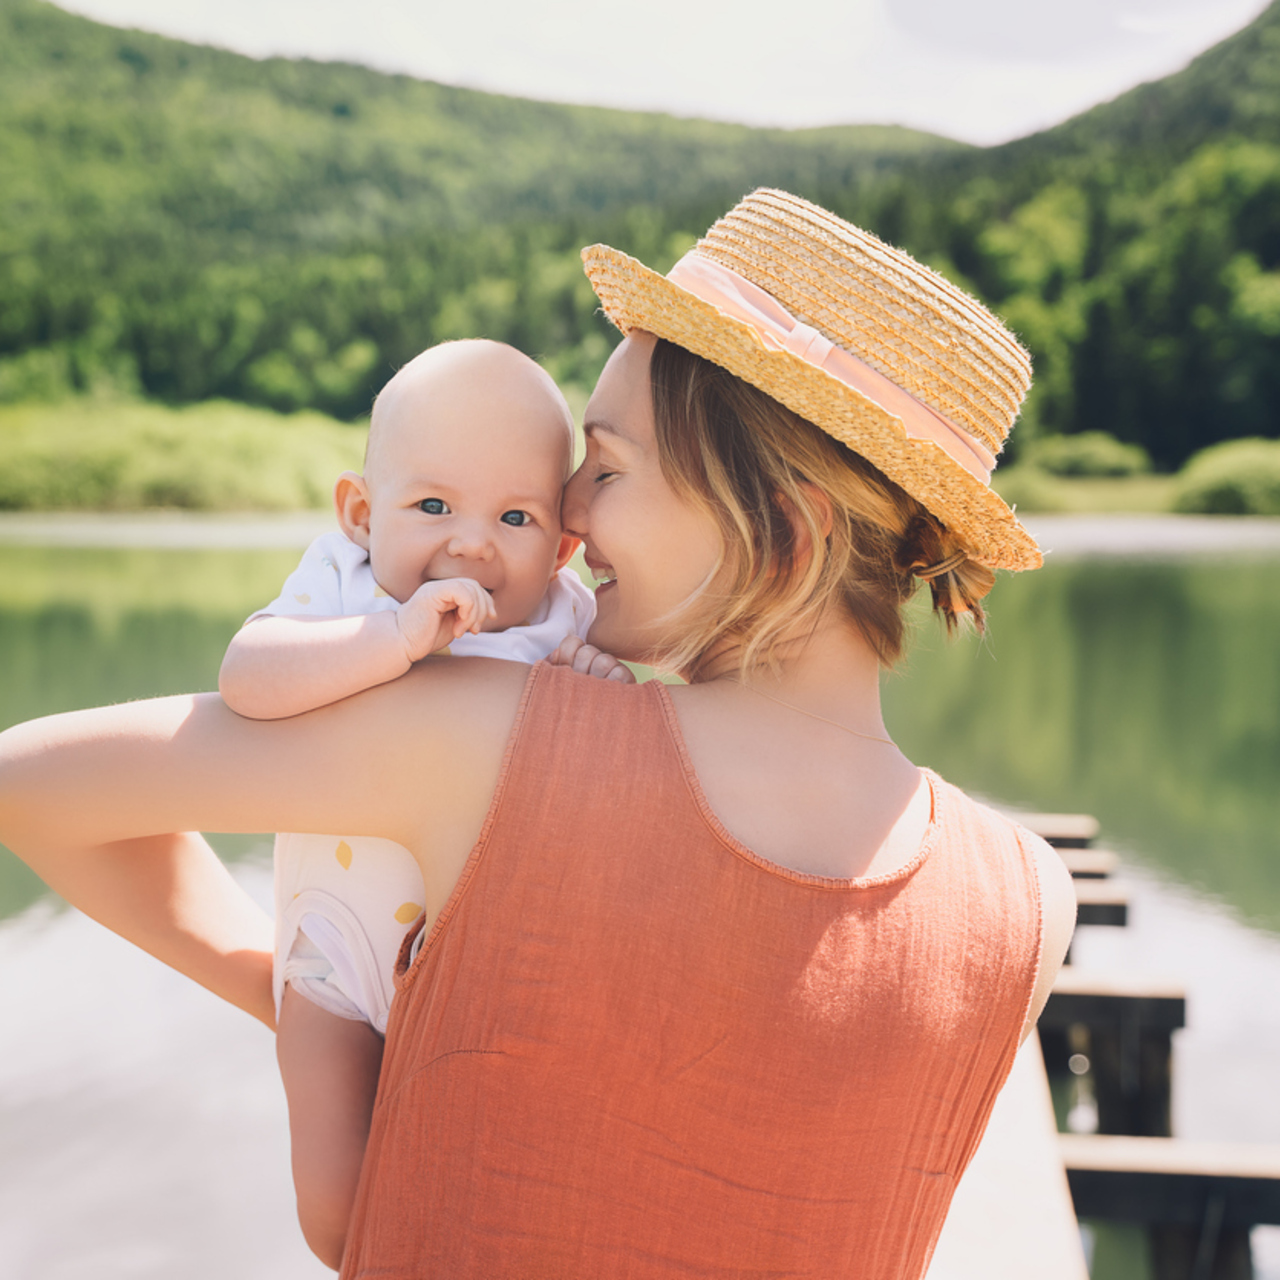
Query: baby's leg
330, 1070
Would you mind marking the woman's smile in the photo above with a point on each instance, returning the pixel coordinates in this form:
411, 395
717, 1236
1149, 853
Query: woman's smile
604, 574
648, 548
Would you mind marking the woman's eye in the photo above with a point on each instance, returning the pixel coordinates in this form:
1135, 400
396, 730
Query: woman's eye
433, 507
602, 476
516, 518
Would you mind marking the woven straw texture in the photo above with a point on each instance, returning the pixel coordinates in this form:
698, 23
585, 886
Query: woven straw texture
937, 343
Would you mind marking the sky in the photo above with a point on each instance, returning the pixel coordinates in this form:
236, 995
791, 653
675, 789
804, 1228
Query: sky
983, 71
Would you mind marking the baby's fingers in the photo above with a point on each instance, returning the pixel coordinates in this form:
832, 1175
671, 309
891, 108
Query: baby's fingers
589, 661
564, 653
474, 606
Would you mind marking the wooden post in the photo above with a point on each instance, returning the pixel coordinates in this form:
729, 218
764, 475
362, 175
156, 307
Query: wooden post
1132, 1079
1194, 1253
1129, 1025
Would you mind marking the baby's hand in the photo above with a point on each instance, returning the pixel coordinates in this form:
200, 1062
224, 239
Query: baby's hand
442, 611
587, 660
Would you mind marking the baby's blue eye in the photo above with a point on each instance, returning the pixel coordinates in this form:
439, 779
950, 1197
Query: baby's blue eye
433, 507
516, 518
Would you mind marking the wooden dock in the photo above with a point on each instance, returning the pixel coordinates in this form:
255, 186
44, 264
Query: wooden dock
1014, 1216
1197, 1201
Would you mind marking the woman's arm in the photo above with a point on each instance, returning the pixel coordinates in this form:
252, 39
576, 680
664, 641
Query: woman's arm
282, 666
1058, 914
89, 799
216, 934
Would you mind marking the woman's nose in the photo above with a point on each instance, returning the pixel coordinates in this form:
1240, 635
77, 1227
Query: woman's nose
573, 505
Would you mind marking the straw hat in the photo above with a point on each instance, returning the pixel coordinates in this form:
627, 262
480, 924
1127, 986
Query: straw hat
858, 338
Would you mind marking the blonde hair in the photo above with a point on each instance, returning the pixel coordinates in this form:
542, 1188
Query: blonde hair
764, 474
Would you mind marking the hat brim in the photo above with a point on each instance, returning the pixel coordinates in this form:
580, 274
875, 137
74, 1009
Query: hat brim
634, 297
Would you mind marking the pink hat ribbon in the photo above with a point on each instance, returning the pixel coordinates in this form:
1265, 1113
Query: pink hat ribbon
777, 328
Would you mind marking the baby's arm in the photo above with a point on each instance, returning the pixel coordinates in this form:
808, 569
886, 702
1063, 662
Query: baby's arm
282, 666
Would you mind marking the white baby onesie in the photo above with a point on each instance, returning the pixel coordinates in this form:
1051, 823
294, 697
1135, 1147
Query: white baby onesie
344, 903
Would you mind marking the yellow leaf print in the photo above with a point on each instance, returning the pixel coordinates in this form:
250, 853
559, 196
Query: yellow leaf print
380, 593
343, 854
303, 598
408, 912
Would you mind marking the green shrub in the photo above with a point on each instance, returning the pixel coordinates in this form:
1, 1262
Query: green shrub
86, 455
1238, 477
1034, 492
1028, 489
1088, 453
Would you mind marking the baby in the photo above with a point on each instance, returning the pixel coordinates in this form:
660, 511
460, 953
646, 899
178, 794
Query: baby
451, 543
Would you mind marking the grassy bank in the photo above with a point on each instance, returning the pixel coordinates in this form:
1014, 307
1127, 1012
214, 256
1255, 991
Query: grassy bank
87, 455
126, 455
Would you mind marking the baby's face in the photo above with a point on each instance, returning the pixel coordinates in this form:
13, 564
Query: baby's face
465, 476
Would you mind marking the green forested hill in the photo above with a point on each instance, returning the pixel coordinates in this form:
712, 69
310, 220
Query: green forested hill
1233, 88
185, 222
1135, 249
191, 223
97, 122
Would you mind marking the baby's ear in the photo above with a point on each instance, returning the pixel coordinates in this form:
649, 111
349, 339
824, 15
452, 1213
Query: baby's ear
351, 501
568, 545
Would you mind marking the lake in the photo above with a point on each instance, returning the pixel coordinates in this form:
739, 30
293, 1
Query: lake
143, 1123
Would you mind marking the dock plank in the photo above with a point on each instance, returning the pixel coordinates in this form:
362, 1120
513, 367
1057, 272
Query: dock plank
1062, 830
1172, 1180
1105, 999
1090, 864
1012, 1215
1101, 902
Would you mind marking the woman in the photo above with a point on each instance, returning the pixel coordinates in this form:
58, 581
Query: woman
714, 980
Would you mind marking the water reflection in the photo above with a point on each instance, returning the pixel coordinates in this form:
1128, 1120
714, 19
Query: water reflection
1145, 693
83, 627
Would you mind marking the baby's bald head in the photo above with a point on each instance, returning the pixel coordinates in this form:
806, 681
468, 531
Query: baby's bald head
469, 449
473, 388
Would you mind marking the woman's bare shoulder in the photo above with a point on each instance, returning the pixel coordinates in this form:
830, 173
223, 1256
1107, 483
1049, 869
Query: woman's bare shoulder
477, 695
381, 762
439, 733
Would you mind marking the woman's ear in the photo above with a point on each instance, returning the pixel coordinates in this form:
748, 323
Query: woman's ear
820, 505
351, 501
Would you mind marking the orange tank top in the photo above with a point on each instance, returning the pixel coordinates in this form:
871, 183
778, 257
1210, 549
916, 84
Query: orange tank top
630, 1047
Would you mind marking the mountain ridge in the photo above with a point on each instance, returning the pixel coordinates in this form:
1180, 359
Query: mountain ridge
184, 222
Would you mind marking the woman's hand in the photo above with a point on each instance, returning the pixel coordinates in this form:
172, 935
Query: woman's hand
587, 660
